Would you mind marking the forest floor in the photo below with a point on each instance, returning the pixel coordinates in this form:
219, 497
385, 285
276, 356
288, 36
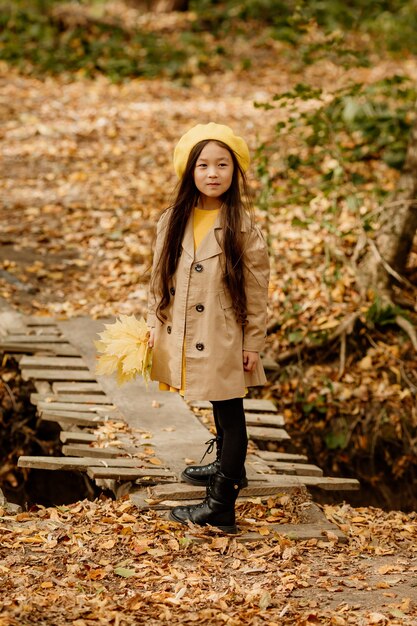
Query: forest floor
103, 562
86, 170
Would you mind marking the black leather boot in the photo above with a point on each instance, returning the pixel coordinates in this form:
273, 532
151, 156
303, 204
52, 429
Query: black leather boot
217, 509
201, 474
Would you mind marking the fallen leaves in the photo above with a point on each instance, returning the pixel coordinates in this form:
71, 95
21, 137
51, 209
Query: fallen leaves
84, 563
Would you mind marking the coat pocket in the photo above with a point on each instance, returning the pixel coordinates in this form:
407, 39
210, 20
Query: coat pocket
228, 315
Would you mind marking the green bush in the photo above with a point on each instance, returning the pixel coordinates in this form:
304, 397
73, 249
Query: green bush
34, 38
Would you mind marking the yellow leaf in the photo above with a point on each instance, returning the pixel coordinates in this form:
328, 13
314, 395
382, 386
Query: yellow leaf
220, 542
96, 574
377, 618
155, 461
329, 324
365, 363
106, 365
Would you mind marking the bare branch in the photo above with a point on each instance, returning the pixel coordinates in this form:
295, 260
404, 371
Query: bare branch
408, 328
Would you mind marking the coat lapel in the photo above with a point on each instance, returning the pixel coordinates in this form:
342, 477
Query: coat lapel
188, 239
210, 245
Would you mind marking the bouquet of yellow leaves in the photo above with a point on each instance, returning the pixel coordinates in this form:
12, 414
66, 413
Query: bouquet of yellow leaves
124, 349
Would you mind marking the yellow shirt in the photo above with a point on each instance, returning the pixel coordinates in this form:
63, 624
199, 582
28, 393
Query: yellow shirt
203, 222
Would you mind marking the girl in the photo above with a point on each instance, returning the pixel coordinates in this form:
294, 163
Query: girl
207, 306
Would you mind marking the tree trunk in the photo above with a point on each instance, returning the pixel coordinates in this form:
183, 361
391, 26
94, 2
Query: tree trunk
389, 251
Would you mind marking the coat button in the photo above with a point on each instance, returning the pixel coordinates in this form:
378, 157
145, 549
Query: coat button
199, 346
169, 330
172, 291
198, 267
199, 308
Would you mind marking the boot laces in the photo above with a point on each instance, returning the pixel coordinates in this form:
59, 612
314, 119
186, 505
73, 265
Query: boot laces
210, 447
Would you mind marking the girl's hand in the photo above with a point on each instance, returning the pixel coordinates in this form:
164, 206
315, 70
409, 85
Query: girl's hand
151, 339
250, 359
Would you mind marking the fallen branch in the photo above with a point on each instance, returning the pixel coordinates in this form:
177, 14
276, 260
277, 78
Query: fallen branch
344, 328
342, 355
388, 267
408, 328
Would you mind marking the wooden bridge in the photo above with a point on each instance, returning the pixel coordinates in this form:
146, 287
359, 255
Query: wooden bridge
136, 440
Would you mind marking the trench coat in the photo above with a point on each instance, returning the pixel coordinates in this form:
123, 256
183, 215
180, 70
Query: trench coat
201, 312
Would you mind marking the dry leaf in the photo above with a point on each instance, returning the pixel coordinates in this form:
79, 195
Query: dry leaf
155, 461
377, 618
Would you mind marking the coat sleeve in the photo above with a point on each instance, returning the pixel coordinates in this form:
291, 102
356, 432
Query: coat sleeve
152, 297
256, 285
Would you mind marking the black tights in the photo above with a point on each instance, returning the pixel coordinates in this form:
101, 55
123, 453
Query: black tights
229, 418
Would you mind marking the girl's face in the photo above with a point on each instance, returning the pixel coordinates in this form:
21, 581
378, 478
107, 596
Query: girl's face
213, 171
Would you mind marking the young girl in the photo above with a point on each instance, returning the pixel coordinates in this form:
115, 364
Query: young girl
207, 306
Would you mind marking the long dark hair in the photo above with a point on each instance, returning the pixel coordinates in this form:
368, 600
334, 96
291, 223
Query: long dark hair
236, 205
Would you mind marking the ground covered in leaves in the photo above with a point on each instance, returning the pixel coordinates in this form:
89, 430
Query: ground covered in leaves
86, 170
103, 562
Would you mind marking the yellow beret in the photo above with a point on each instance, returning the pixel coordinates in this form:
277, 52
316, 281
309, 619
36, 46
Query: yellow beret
217, 132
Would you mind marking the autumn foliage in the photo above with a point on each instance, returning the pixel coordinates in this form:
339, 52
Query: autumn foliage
93, 99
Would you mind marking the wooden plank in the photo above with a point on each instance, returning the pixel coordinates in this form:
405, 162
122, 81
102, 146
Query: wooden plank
300, 532
10, 320
74, 418
257, 465
42, 386
264, 419
42, 374
46, 330
34, 339
68, 414
76, 463
68, 436
266, 455
300, 469
74, 406
86, 450
57, 349
249, 404
327, 483
261, 433
58, 362
201, 404
264, 406
125, 473
76, 388
34, 320
253, 475
140, 499
51, 398
182, 491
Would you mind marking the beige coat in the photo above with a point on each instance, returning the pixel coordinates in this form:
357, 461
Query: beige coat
201, 311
